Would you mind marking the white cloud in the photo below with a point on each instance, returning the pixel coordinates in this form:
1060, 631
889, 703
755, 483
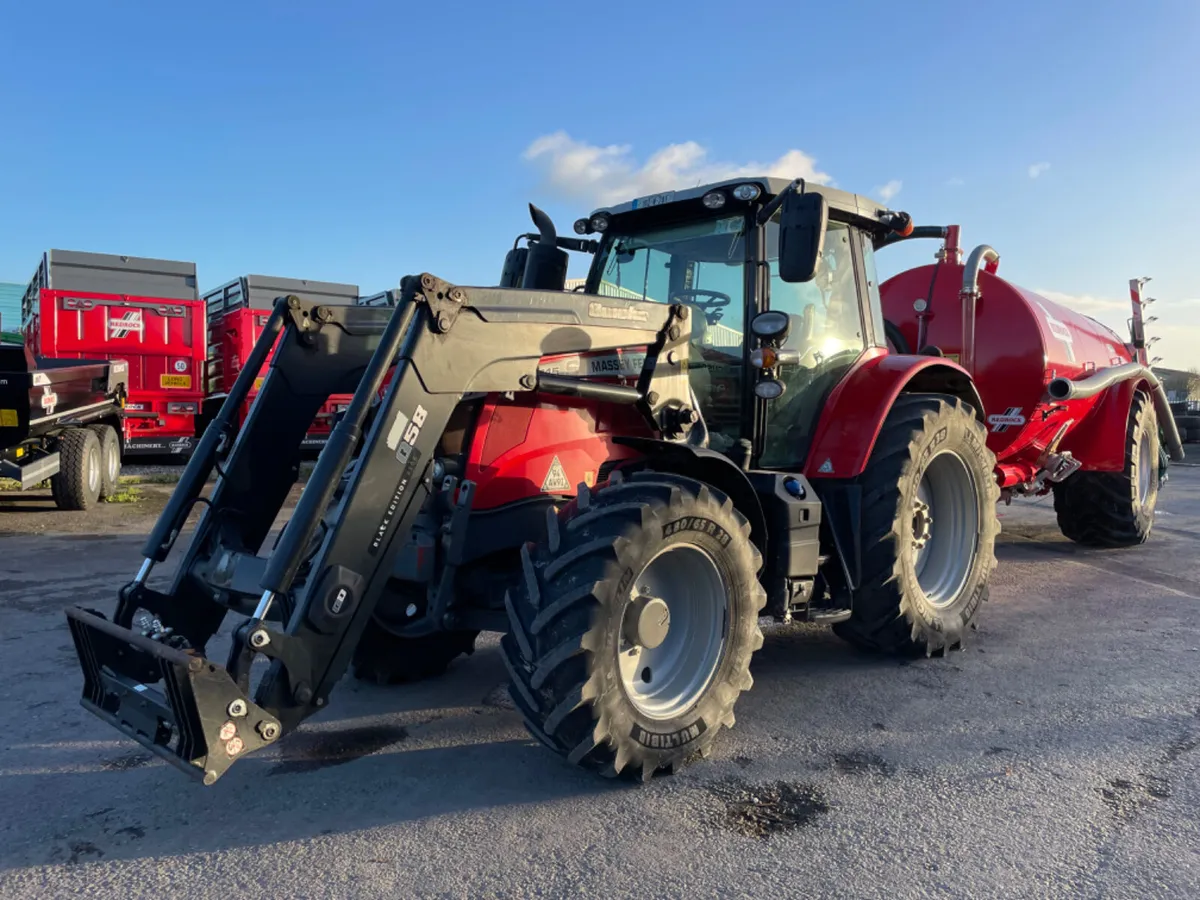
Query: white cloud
1038, 168
955, 182
888, 191
612, 174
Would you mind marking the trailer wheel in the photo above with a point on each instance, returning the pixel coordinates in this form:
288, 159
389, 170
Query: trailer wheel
77, 484
631, 637
1115, 509
929, 529
110, 459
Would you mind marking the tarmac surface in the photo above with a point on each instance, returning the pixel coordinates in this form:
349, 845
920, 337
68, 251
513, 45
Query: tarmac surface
1057, 755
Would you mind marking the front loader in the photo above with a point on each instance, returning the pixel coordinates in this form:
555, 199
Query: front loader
622, 480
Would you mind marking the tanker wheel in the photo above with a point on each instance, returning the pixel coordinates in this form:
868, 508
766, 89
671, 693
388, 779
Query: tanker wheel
386, 656
929, 529
631, 637
1116, 509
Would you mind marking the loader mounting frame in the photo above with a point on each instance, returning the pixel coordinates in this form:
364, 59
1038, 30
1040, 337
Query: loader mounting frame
307, 602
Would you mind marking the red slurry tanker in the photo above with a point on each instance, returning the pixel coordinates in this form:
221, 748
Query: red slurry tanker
1071, 407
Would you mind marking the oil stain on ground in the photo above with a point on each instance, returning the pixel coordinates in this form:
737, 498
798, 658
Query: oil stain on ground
127, 761
763, 810
308, 751
1125, 797
859, 762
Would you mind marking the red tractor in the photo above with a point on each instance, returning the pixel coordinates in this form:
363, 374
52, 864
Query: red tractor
622, 480
1072, 408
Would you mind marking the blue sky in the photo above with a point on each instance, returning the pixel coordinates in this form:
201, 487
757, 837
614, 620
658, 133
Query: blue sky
365, 141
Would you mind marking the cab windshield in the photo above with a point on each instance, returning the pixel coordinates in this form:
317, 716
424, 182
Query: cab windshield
700, 264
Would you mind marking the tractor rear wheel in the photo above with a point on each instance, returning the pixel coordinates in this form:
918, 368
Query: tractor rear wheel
1116, 509
385, 655
382, 657
632, 635
929, 529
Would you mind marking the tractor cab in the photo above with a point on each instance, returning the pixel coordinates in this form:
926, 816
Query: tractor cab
716, 250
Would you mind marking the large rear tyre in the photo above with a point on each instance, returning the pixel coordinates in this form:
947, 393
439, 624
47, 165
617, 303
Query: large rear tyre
1116, 509
631, 638
77, 484
110, 459
929, 529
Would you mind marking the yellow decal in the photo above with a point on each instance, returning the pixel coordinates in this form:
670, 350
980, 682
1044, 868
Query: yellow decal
589, 478
953, 357
8, 418
175, 381
258, 382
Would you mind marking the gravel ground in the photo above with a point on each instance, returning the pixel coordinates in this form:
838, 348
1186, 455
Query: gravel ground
1056, 756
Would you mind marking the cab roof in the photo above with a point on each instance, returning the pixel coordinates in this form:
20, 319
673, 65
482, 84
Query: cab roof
850, 206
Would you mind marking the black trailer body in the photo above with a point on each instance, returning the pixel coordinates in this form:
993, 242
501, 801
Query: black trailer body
46, 405
308, 601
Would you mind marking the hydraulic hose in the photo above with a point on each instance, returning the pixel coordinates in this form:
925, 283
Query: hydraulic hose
970, 296
1066, 389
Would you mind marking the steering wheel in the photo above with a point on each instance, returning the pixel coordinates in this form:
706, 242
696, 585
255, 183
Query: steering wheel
709, 307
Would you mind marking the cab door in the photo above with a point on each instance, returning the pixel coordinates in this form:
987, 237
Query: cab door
827, 330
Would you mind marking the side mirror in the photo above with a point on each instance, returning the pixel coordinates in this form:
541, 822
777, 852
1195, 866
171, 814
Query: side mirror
803, 219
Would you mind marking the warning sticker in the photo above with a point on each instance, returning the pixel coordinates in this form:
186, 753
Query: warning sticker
175, 381
826, 467
556, 479
8, 418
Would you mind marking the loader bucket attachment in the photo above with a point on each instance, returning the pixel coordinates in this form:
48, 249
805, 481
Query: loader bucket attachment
200, 721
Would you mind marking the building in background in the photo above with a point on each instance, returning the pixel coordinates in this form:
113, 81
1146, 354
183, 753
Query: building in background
10, 307
1181, 386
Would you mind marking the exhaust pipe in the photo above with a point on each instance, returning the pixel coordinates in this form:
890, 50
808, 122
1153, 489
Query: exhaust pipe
969, 295
1062, 389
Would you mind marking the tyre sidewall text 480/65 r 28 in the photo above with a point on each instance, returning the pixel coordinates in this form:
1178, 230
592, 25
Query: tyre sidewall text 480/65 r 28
613, 665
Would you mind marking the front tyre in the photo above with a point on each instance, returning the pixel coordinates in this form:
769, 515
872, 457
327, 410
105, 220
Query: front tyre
929, 529
631, 638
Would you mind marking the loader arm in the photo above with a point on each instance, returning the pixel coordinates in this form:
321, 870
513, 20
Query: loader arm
306, 603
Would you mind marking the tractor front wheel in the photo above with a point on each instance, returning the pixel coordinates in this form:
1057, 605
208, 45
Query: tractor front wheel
929, 529
630, 640
1116, 509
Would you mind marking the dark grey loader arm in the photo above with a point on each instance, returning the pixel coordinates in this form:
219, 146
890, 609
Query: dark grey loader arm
308, 601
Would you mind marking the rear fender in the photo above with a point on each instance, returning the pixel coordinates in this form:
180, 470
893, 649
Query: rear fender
1099, 440
857, 407
712, 468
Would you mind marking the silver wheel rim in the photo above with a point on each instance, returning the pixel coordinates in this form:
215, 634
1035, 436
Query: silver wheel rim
93, 471
945, 528
1145, 468
664, 681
